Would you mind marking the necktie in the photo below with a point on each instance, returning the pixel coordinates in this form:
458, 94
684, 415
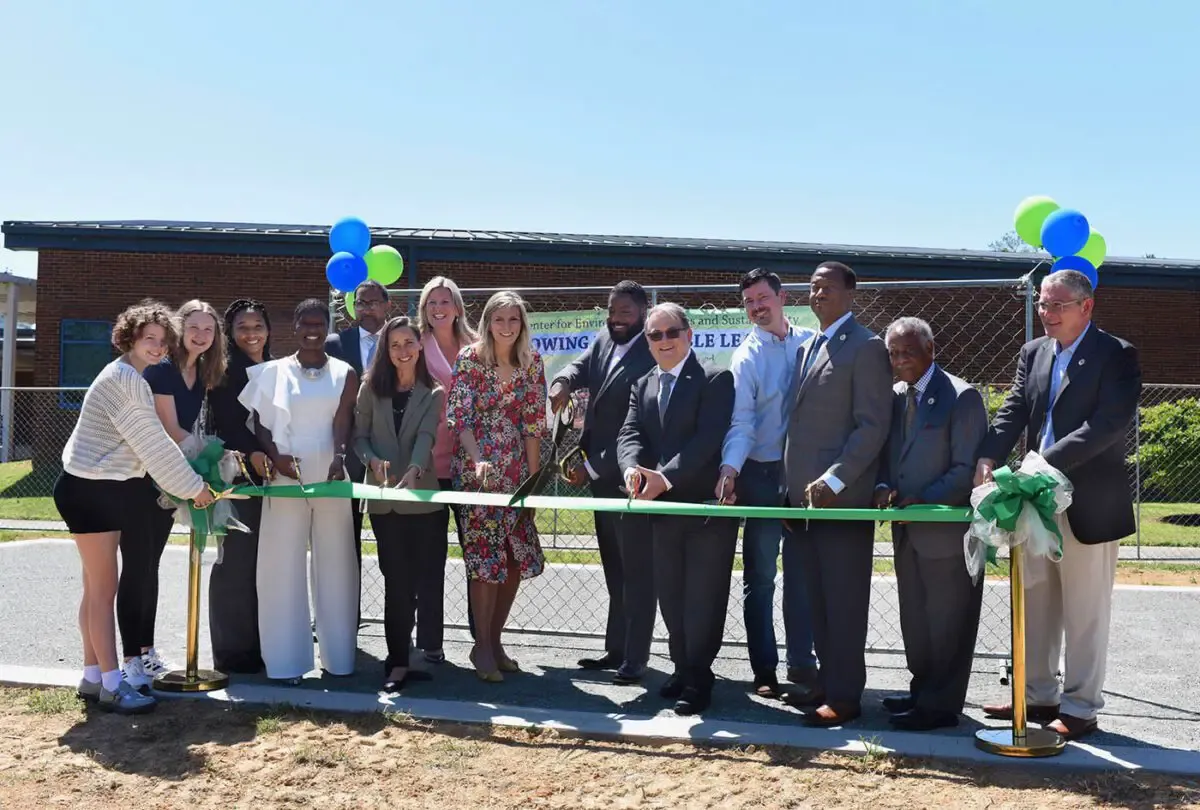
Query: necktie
812, 355
371, 341
1048, 424
665, 383
910, 412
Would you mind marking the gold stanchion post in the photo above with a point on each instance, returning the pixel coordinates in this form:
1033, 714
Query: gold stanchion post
1018, 741
192, 679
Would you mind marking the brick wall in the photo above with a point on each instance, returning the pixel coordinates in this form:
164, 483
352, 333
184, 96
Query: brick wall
85, 284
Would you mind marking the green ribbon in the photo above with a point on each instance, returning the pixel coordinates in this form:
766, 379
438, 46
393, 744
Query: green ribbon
922, 513
1013, 490
207, 465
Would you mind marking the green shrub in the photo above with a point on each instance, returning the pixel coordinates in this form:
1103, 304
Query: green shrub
993, 398
1170, 451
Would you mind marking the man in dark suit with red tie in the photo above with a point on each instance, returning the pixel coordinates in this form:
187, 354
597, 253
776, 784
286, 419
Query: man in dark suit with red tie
1074, 399
607, 370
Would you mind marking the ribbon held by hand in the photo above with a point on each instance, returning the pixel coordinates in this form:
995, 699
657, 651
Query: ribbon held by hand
1018, 507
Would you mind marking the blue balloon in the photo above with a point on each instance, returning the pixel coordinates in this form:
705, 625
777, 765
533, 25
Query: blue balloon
1078, 263
351, 235
1065, 232
345, 271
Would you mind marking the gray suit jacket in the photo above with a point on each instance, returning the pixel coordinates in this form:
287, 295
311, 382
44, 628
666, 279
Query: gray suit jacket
1092, 413
838, 415
937, 462
375, 437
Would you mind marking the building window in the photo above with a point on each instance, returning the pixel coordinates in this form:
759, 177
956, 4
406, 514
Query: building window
85, 347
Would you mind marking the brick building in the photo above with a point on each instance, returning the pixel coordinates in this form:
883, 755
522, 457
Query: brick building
89, 271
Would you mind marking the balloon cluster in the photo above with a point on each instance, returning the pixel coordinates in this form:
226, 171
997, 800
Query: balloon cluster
1064, 233
354, 260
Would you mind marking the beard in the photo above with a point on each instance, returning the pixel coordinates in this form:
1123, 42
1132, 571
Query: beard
630, 333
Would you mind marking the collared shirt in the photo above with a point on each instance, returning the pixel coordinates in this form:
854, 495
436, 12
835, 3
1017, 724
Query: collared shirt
920, 385
674, 372
364, 338
833, 481
1062, 361
762, 368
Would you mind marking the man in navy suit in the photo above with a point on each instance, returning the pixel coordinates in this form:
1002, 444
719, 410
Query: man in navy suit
356, 345
607, 370
938, 422
1074, 398
670, 449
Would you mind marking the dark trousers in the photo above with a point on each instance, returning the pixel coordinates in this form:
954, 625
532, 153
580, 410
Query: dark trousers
142, 542
627, 556
448, 484
939, 619
836, 557
406, 545
233, 596
693, 565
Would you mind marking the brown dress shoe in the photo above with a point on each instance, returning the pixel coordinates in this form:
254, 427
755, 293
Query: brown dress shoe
828, 715
1073, 728
1037, 714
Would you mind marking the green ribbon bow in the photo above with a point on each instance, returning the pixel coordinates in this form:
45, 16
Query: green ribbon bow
207, 465
1013, 490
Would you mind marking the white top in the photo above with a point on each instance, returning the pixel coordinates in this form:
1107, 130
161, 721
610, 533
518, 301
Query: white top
298, 411
119, 436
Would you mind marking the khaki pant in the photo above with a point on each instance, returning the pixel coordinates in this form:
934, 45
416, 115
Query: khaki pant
1070, 601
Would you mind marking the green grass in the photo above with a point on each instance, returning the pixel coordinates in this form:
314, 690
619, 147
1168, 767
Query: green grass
53, 701
24, 496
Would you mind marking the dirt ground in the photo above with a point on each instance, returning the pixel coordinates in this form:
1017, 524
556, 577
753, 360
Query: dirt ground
190, 754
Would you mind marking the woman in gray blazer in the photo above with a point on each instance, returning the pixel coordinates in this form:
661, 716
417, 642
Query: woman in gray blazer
395, 425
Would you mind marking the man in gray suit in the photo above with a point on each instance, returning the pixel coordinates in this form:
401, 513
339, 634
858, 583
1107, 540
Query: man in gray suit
839, 412
938, 422
1074, 398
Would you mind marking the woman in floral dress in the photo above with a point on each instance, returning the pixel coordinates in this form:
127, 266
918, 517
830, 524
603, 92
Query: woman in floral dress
497, 408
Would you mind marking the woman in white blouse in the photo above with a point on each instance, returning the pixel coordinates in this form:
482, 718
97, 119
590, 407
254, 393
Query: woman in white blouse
117, 439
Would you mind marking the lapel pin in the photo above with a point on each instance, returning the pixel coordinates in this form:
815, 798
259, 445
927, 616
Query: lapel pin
929, 401
1082, 360
843, 337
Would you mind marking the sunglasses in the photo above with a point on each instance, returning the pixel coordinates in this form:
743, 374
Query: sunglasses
669, 334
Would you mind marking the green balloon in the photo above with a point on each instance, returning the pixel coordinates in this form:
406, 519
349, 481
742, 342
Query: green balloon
349, 302
384, 264
1096, 249
1031, 213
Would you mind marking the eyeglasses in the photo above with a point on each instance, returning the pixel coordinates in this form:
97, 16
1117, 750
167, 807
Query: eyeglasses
368, 303
1057, 307
669, 334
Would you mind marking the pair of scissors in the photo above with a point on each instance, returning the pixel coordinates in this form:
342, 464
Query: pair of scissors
534, 484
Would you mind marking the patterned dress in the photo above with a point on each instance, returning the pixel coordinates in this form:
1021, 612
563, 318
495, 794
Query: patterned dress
500, 416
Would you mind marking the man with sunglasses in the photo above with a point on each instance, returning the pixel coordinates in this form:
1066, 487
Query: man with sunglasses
670, 449
1074, 397
839, 414
607, 370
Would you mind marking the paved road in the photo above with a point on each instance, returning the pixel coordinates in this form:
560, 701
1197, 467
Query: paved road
1153, 695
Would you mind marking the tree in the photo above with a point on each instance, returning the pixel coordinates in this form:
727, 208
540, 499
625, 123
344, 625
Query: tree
1011, 243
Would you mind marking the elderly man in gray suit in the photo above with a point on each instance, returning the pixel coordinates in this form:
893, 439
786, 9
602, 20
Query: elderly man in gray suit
1074, 397
938, 423
838, 414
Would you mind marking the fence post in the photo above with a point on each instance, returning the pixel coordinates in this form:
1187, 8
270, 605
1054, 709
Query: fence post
1137, 472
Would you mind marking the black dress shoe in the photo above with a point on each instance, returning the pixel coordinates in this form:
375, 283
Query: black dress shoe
412, 676
801, 697
693, 701
672, 689
766, 684
607, 661
804, 676
898, 704
628, 675
918, 719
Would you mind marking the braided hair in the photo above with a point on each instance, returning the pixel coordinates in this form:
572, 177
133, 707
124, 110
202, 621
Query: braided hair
231, 312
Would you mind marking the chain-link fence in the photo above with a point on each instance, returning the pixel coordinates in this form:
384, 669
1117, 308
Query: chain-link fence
979, 328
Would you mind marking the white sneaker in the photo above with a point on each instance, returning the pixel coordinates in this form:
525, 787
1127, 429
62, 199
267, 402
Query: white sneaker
153, 663
134, 674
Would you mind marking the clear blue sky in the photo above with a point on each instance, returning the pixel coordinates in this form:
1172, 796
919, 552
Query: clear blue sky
894, 122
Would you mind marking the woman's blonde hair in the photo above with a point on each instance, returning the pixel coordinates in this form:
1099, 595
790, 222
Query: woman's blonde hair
462, 330
210, 366
522, 348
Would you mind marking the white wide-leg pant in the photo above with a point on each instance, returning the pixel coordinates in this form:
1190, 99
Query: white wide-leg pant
290, 526
1069, 601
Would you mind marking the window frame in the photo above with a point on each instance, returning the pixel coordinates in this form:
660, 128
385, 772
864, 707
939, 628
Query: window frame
65, 399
